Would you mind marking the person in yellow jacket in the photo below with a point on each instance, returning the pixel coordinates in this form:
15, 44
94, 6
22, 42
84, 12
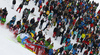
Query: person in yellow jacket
47, 13
83, 36
89, 35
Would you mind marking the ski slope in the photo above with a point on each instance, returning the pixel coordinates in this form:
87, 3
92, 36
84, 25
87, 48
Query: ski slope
8, 44
10, 47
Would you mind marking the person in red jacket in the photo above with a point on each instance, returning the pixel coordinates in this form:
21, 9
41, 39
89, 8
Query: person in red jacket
86, 52
98, 12
51, 8
91, 52
91, 25
47, 3
41, 12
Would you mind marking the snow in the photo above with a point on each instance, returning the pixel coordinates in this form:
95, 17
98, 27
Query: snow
8, 44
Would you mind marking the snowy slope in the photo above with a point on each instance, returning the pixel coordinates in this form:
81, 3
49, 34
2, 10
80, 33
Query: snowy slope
8, 44
9, 47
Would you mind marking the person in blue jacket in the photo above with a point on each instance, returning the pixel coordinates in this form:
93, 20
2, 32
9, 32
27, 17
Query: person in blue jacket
60, 1
68, 40
50, 52
14, 18
33, 31
11, 23
58, 21
74, 51
40, 2
0, 17
70, 47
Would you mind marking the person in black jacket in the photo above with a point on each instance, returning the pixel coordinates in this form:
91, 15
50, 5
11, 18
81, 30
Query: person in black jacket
61, 50
40, 35
20, 7
41, 23
13, 2
55, 31
46, 25
32, 21
5, 12
32, 11
19, 23
57, 34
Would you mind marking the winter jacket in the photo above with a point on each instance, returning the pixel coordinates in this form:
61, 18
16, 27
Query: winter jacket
5, 12
51, 7
75, 45
48, 12
86, 52
12, 22
60, 1
53, 20
18, 22
47, 43
49, 17
83, 35
68, 40
27, 0
21, 5
61, 49
50, 52
55, 29
58, 32
51, 46
38, 19
70, 47
74, 51
75, 32
99, 45
58, 21
66, 48
0, 17
32, 10
32, 21
33, 31
42, 21
40, 1
14, 18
